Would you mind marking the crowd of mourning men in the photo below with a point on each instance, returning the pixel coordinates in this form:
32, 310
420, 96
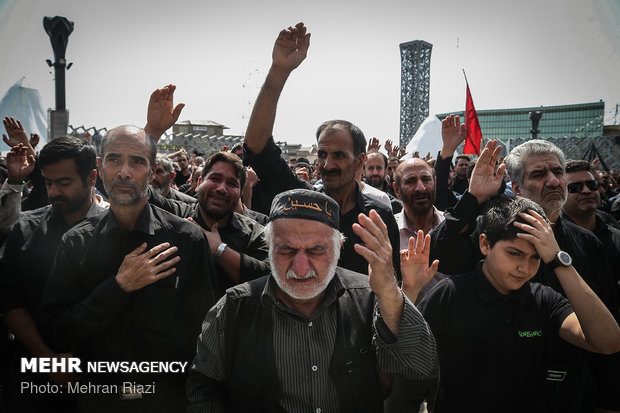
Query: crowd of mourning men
367, 281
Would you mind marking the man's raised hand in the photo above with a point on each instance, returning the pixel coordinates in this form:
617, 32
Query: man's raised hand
161, 113
485, 180
453, 133
19, 163
291, 47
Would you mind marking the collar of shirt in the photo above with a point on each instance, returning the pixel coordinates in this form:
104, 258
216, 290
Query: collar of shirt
359, 198
333, 290
145, 222
403, 222
488, 293
96, 208
233, 221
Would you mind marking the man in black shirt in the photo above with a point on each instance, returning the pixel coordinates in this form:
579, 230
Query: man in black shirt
69, 168
581, 207
133, 285
236, 241
341, 147
495, 329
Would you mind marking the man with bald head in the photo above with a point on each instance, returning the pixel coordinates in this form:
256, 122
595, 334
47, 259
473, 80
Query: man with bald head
130, 285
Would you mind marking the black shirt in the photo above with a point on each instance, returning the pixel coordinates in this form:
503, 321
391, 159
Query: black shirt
180, 196
276, 176
492, 347
94, 317
445, 198
181, 179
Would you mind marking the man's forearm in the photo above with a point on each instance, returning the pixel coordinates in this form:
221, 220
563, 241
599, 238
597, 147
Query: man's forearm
260, 127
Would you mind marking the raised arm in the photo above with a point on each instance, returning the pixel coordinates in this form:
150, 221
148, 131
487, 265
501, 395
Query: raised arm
591, 326
161, 112
289, 51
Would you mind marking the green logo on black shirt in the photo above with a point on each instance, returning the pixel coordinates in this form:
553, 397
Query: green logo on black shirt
530, 334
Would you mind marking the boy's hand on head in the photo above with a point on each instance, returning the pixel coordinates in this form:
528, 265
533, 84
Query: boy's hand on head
539, 233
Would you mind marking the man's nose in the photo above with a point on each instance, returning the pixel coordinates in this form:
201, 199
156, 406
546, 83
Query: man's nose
301, 264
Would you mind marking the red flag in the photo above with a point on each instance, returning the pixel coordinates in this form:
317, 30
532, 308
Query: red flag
474, 134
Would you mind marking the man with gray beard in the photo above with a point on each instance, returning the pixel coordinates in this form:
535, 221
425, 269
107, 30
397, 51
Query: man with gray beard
326, 337
132, 284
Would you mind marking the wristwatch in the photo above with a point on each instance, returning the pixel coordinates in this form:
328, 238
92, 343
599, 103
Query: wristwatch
561, 258
220, 251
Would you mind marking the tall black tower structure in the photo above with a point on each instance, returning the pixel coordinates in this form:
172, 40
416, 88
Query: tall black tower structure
415, 80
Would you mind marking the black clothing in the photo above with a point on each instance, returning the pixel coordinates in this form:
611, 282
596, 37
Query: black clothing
181, 179
445, 198
460, 185
180, 196
276, 176
37, 198
245, 236
255, 215
492, 347
241, 233
94, 317
26, 258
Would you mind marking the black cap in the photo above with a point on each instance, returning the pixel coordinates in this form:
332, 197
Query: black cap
306, 204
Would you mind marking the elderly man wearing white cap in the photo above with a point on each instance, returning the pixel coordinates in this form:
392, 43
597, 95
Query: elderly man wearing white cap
311, 335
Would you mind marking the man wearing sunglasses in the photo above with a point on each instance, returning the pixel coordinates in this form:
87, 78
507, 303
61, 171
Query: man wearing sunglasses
581, 206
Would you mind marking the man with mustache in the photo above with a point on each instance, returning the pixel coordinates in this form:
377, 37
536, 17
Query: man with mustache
415, 186
312, 336
132, 284
581, 207
341, 147
69, 168
537, 171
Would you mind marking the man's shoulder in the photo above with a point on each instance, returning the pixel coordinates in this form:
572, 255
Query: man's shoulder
180, 196
171, 222
252, 288
578, 233
371, 203
246, 221
36, 214
352, 280
84, 229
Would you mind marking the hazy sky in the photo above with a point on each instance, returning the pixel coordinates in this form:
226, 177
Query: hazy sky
516, 53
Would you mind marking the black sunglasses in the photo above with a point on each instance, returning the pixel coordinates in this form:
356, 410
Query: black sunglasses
578, 186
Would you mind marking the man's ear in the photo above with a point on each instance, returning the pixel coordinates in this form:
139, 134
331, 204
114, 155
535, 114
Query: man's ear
98, 162
91, 179
485, 246
361, 161
516, 189
396, 190
172, 175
